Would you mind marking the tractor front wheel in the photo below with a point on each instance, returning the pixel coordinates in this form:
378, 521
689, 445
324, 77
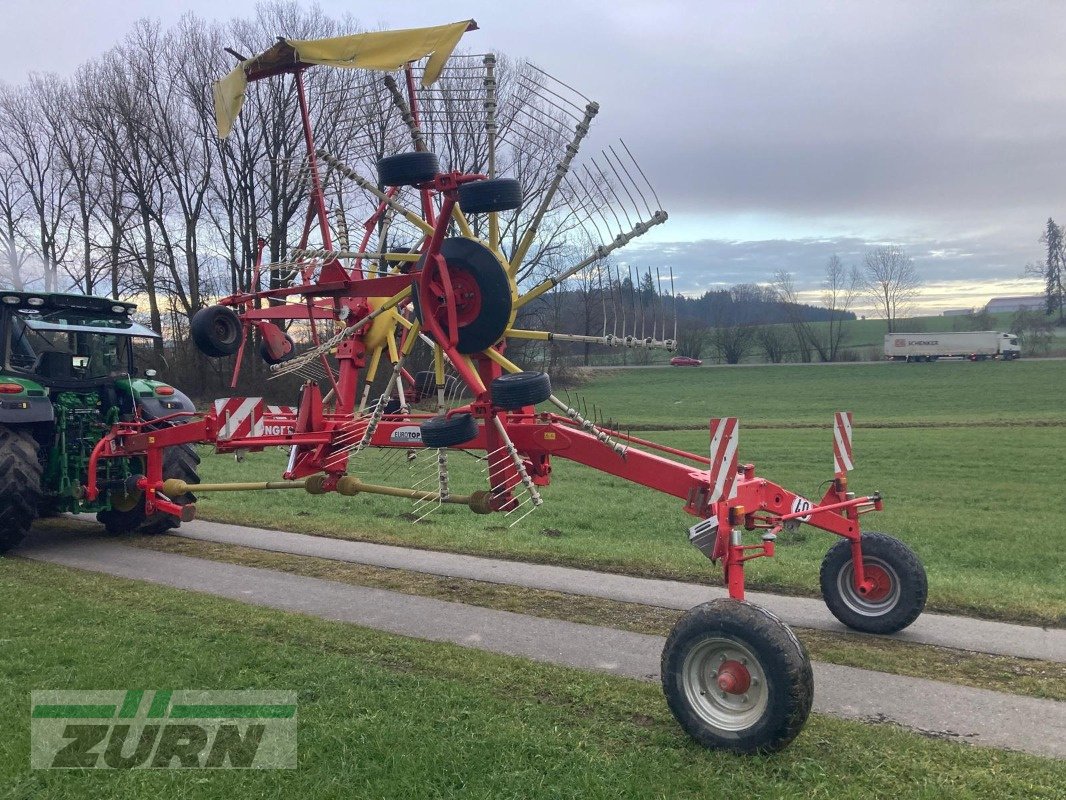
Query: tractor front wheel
899, 588
20, 485
736, 678
127, 514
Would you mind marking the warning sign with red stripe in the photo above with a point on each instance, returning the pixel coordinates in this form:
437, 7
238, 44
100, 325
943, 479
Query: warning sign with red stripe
842, 458
723, 471
239, 417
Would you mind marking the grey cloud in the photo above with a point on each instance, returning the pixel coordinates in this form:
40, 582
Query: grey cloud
713, 263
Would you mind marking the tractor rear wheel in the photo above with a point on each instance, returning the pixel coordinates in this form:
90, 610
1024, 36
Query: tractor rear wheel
180, 462
20, 484
899, 590
737, 678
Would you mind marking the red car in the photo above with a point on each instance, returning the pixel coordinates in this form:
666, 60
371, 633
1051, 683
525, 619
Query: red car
684, 361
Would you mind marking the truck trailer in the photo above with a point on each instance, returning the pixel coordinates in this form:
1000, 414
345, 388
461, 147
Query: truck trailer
972, 345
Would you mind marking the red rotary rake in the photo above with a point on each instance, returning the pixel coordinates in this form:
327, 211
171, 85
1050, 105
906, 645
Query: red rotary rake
734, 676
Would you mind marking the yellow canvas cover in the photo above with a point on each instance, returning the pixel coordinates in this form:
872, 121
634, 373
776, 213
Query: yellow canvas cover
381, 50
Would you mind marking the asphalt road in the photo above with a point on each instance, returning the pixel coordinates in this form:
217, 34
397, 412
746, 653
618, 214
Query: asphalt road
976, 716
944, 630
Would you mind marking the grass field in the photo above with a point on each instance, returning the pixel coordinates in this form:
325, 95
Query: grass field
958, 392
982, 505
387, 717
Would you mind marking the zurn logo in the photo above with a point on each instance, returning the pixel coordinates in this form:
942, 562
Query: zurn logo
163, 729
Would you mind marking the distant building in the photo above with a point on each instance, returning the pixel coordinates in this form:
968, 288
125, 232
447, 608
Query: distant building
1010, 304
957, 312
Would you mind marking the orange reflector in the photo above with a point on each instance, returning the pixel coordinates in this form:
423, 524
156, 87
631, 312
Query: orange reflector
12, 388
164, 390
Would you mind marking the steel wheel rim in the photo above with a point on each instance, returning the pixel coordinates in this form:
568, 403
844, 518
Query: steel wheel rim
864, 605
717, 708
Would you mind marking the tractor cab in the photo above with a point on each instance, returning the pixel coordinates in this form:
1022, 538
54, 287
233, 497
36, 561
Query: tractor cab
68, 341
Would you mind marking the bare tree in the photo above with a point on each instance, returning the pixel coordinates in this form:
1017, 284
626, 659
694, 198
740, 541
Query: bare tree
732, 340
13, 215
691, 338
32, 149
774, 341
76, 150
891, 281
785, 287
841, 287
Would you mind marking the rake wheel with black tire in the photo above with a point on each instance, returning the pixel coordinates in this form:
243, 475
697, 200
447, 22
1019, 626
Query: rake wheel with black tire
440, 432
217, 331
407, 169
519, 389
496, 194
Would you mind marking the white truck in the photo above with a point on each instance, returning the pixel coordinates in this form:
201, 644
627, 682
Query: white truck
972, 345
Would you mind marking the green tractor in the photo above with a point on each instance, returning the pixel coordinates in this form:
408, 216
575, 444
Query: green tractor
67, 374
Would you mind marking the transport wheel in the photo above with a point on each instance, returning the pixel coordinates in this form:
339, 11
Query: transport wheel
497, 194
448, 431
407, 169
264, 352
736, 678
482, 292
518, 389
20, 484
217, 331
899, 591
127, 514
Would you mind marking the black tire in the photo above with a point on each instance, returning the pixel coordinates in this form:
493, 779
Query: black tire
519, 389
217, 331
728, 640
407, 169
20, 484
264, 352
470, 260
898, 598
498, 194
449, 431
181, 462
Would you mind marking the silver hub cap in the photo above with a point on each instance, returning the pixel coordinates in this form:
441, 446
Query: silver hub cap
710, 668
884, 596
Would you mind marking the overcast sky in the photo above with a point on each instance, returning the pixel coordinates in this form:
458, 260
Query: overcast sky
776, 133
